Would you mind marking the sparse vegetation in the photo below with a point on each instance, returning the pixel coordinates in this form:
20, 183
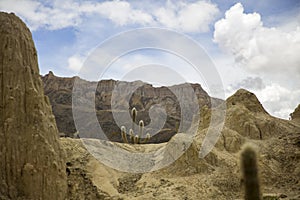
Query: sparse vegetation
135, 138
250, 174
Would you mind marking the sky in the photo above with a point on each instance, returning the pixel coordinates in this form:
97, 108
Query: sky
253, 44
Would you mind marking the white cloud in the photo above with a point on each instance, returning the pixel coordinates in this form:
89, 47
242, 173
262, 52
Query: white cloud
187, 17
249, 82
256, 47
75, 62
271, 53
278, 100
62, 14
122, 13
52, 15
36, 14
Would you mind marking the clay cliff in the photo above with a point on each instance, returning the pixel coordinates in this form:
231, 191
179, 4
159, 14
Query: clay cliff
32, 164
59, 91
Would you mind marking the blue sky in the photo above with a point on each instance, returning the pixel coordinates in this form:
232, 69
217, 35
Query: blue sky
254, 44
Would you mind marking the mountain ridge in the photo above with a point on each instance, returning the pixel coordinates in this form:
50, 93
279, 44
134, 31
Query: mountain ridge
59, 91
33, 164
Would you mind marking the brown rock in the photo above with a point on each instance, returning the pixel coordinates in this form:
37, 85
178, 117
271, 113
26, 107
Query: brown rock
59, 90
31, 160
296, 114
246, 99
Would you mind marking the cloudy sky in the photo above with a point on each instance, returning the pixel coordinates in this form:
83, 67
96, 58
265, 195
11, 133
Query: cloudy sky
254, 44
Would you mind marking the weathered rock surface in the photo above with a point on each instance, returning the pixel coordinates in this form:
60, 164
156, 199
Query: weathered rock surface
296, 114
32, 162
246, 99
59, 91
246, 116
217, 176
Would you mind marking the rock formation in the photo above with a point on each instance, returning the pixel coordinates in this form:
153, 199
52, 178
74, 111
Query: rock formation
59, 91
218, 175
31, 160
296, 114
246, 99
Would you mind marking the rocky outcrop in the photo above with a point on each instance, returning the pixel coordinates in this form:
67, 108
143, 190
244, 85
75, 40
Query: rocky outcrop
59, 91
217, 176
31, 160
246, 115
246, 99
296, 114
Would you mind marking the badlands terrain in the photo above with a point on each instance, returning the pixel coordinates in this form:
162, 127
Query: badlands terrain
35, 163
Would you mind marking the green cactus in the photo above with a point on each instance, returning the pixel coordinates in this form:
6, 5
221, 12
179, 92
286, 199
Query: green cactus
124, 135
133, 114
141, 128
176, 127
250, 173
148, 136
131, 135
135, 139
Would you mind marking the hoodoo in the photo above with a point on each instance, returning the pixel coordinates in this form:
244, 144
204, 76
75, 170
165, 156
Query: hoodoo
31, 160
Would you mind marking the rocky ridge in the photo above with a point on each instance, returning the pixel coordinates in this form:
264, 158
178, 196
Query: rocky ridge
59, 90
33, 165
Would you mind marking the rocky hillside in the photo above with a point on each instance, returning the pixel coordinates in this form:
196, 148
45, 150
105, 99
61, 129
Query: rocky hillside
218, 175
59, 91
32, 164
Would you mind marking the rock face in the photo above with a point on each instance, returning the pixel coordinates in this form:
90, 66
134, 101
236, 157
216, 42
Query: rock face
296, 114
247, 100
59, 91
31, 160
245, 115
218, 175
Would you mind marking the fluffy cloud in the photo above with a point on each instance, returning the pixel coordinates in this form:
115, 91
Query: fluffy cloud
271, 53
58, 15
256, 47
62, 14
255, 83
278, 100
186, 17
122, 13
75, 62
193, 17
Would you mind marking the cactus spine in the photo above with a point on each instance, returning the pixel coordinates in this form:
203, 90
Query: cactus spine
135, 139
250, 173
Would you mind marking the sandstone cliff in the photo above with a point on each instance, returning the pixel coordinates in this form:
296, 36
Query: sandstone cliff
31, 160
